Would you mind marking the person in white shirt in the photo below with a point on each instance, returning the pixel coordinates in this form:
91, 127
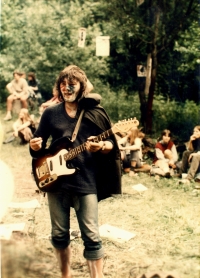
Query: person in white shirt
131, 147
165, 153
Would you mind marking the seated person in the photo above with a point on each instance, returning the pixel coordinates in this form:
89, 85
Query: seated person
54, 100
165, 154
18, 89
131, 145
191, 157
33, 86
24, 126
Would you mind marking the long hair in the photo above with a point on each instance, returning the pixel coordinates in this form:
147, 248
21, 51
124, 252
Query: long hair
32, 74
133, 134
27, 116
72, 73
165, 132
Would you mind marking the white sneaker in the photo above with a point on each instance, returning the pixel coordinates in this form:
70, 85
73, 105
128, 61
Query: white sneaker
185, 181
7, 117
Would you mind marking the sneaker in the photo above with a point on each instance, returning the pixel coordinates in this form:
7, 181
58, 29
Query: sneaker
185, 181
7, 118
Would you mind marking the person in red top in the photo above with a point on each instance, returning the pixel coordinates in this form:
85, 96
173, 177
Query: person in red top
165, 153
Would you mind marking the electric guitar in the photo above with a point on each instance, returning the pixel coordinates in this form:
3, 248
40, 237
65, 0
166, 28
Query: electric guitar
48, 168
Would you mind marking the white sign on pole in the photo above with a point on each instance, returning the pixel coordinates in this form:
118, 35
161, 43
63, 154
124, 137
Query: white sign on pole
102, 46
81, 37
139, 2
141, 71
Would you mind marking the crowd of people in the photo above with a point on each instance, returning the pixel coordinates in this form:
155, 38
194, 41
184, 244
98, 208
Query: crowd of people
74, 113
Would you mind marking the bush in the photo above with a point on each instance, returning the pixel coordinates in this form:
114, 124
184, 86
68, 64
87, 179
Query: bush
120, 106
178, 117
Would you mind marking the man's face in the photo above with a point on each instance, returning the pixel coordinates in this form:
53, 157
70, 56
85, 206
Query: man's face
69, 89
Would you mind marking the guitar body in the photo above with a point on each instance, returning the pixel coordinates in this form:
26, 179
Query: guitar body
48, 169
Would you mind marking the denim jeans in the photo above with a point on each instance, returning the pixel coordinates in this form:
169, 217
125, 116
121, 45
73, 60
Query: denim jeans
86, 208
193, 165
135, 157
185, 163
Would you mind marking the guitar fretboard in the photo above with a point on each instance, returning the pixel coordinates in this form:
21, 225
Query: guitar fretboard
76, 151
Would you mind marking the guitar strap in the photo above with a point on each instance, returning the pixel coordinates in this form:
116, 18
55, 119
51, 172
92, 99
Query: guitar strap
77, 126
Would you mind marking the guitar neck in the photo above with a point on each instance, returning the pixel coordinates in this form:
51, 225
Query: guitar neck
76, 151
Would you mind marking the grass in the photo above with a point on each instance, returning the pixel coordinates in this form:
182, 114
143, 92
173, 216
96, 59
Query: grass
165, 219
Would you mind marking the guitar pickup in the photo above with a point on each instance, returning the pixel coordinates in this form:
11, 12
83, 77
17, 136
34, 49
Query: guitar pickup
42, 170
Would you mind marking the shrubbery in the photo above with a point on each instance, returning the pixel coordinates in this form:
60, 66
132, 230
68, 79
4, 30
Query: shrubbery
180, 118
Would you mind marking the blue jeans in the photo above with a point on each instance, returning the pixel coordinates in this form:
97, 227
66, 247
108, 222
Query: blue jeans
86, 207
135, 157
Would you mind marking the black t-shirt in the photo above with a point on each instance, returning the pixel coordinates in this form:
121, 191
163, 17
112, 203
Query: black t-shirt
196, 145
34, 83
56, 123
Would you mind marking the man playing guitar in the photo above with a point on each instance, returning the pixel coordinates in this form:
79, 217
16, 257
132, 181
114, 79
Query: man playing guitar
97, 174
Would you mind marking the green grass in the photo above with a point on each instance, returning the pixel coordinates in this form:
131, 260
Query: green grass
165, 219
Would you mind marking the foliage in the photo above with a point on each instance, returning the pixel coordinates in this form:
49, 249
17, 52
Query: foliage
121, 106
133, 34
43, 38
188, 46
178, 117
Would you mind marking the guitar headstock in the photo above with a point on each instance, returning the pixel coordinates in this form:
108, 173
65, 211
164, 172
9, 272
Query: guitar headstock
125, 125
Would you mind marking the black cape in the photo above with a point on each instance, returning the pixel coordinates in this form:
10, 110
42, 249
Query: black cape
108, 165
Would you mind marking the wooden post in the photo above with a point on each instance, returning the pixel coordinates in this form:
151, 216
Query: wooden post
16, 106
148, 75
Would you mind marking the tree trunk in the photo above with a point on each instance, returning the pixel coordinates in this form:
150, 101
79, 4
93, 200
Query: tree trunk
143, 102
149, 112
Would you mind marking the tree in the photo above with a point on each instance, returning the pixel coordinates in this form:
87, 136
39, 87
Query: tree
151, 28
44, 38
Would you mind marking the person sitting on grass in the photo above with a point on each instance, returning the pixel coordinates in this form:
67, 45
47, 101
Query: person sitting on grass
24, 126
35, 96
131, 144
191, 157
165, 154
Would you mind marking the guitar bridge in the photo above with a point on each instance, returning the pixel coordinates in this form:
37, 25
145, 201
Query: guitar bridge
42, 170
